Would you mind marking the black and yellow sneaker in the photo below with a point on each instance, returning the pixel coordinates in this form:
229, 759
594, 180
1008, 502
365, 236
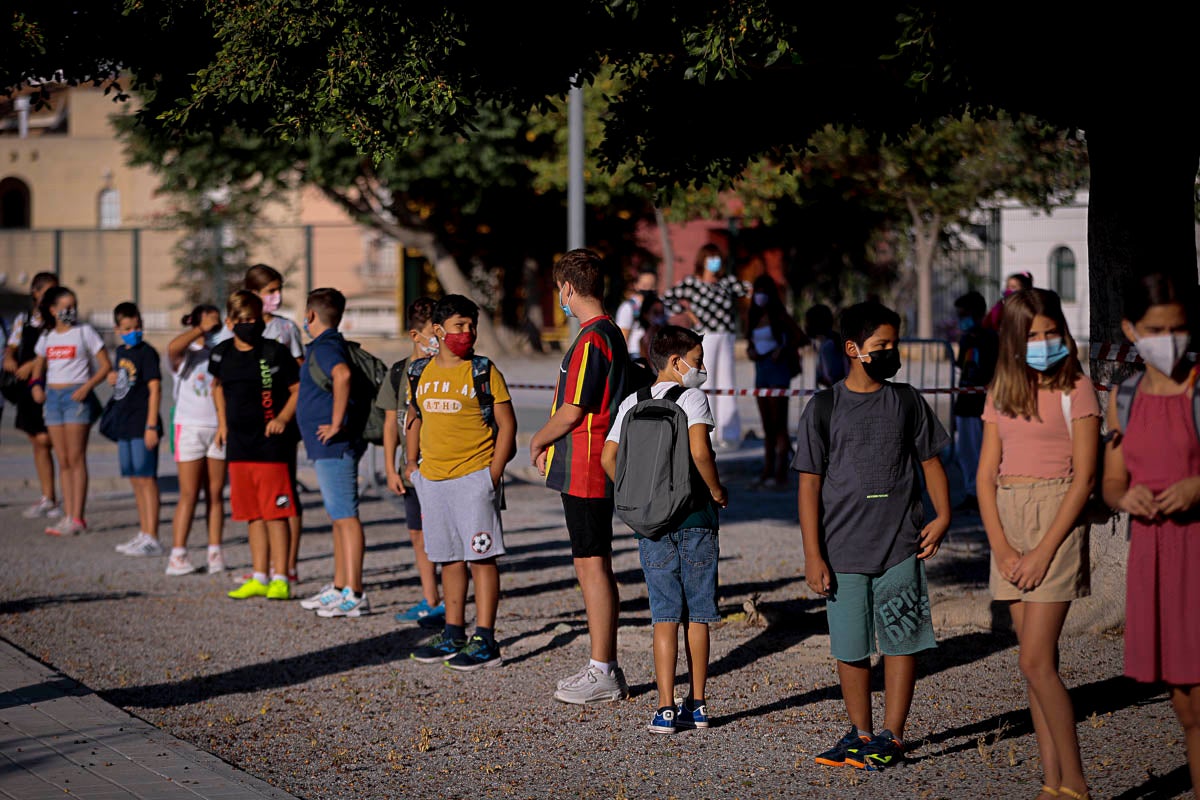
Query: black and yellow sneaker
881, 752
836, 755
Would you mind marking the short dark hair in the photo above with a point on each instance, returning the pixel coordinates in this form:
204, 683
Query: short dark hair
127, 310
583, 269
861, 320
455, 305
328, 304
192, 320
259, 276
818, 320
973, 303
244, 303
420, 311
672, 340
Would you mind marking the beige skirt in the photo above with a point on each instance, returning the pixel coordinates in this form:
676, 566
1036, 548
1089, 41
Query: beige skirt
1027, 510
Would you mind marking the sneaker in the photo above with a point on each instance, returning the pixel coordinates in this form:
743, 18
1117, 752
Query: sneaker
439, 648
251, 588
695, 717
348, 607
179, 565
420, 611
836, 755
596, 687
881, 752
327, 596
663, 722
65, 527
146, 545
279, 589
216, 562
123, 547
578, 677
476, 655
43, 508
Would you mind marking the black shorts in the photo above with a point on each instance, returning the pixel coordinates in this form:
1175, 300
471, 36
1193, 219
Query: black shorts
412, 509
589, 524
29, 417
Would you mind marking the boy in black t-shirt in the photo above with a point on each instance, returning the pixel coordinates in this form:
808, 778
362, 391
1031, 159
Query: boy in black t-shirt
137, 393
255, 386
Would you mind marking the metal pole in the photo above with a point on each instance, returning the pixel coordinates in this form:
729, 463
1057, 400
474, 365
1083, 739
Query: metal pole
58, 253
308, 259
136, 243
575, 206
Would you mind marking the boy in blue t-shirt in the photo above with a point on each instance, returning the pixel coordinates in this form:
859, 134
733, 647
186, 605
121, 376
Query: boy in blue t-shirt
137, 393
865, 544
681, 566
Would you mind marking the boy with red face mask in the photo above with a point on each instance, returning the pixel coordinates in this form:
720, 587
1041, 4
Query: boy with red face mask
457, 451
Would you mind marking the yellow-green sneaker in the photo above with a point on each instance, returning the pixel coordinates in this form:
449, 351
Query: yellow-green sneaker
279, 589
251, 588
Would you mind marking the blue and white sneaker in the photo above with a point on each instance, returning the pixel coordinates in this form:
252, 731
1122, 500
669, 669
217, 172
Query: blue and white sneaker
663, 722
694, 717
327, 597
350, 606
422, 610
476, 655
439, 648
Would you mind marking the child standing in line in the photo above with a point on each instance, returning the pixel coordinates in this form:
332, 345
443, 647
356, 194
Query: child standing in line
1152, 472
137, 393
858, 451
1037, 467
456, 462
255, 384
200, 461
680, 567
71, 363
430, 611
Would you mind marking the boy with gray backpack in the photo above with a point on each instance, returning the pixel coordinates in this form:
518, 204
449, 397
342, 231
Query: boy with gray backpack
666, 488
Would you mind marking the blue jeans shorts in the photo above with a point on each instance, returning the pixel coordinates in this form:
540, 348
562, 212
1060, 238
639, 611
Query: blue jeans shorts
888, 610
681, 575
136, 460
60, 409
338, 479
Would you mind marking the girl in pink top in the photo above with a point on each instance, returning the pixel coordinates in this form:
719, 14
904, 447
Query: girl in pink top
1037, 468
1152, 471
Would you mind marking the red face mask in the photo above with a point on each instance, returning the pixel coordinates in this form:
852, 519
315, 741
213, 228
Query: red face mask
461, 344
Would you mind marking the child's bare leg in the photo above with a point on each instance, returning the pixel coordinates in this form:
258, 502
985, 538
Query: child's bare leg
190, 473
486, 575
695, 640
1186, 701
291, 549
349, 532
454, 590
146, 491
425, 568
1051, 772
855, 679
43, 459
214, 501
341, 577
260, 546
666, 651
277, 533
899, 682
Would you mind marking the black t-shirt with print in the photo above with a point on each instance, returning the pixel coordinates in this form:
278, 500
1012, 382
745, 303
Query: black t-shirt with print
257, 384
135, 368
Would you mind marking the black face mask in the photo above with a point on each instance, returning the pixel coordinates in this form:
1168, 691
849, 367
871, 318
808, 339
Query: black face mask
250, 332
884, 364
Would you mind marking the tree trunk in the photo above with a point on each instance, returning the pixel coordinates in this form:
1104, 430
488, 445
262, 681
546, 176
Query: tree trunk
925, 237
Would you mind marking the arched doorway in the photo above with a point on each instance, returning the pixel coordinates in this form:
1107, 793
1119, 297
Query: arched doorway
14, 203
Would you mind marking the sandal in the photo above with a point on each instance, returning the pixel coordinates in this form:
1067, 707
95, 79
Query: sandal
1049, 790
1063, 791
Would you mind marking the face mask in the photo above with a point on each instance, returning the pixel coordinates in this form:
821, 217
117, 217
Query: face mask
1009, 292
693, 378
1163, 352
760, 298
132, 339
271, 302
250, 332
68, 316
965, 324
883, 366
432, 348
713, 264
566, 309
1045, 354
210, 339
658, 319
461, 344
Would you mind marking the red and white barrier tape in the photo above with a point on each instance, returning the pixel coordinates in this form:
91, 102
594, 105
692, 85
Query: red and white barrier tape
1107, 351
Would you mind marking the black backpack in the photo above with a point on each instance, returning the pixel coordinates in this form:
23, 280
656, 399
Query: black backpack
367, 374
653, 484
823, 402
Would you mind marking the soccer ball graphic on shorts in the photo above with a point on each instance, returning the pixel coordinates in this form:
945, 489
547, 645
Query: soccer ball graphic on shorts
481, 542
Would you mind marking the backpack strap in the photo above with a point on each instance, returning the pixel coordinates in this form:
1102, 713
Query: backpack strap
822, 403
673, 394
415, 368
1126, 390
481, 374
643, 394
396, 376
1066, 409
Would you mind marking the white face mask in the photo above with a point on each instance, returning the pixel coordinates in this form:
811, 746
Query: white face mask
432, 347
693, 378
1163, 352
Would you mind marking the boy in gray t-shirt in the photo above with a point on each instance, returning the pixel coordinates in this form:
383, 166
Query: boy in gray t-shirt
861, 517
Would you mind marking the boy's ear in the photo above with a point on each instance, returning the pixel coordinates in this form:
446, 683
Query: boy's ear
851, 343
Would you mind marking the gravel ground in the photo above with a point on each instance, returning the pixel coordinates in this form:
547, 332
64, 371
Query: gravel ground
334, 708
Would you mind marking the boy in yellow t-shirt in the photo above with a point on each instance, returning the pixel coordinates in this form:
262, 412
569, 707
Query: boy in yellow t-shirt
457, 450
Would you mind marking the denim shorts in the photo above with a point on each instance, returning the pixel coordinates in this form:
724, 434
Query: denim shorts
136, 460
60, 409
888, 610
681, 575
338, 479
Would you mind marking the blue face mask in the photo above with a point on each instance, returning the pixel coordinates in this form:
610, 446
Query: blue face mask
966, 323
1046, 354
132, 339
566, 309
713, 264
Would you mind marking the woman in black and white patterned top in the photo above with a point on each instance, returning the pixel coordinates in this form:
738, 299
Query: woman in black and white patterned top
708, 299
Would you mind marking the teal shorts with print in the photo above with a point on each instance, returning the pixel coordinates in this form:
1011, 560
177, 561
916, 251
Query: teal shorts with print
884, 613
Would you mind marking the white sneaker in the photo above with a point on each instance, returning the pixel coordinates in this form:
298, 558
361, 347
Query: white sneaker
65, 527
326, 597
146, 545
578, 677
179, 565
216, 562
43, 508
596, 687
123, 547
348, 607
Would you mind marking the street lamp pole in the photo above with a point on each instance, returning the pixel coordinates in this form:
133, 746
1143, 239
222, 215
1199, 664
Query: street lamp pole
575, 205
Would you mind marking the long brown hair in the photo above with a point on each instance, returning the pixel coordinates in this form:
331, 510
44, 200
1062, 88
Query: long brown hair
1014, 390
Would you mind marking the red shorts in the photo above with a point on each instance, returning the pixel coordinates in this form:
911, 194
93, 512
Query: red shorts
260, 491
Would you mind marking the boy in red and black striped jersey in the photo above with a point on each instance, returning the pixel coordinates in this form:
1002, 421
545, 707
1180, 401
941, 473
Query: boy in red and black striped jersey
591, 385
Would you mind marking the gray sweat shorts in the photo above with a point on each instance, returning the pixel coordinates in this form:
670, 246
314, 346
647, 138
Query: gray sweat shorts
460, 517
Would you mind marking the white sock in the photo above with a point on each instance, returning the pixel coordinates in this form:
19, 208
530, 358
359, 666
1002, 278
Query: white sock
214, 549
178, 552
260, 577
603, 666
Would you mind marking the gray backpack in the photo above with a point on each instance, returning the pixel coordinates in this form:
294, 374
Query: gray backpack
653, 487
1127, 392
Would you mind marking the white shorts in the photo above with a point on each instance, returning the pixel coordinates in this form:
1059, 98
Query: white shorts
460, 517
194, 442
